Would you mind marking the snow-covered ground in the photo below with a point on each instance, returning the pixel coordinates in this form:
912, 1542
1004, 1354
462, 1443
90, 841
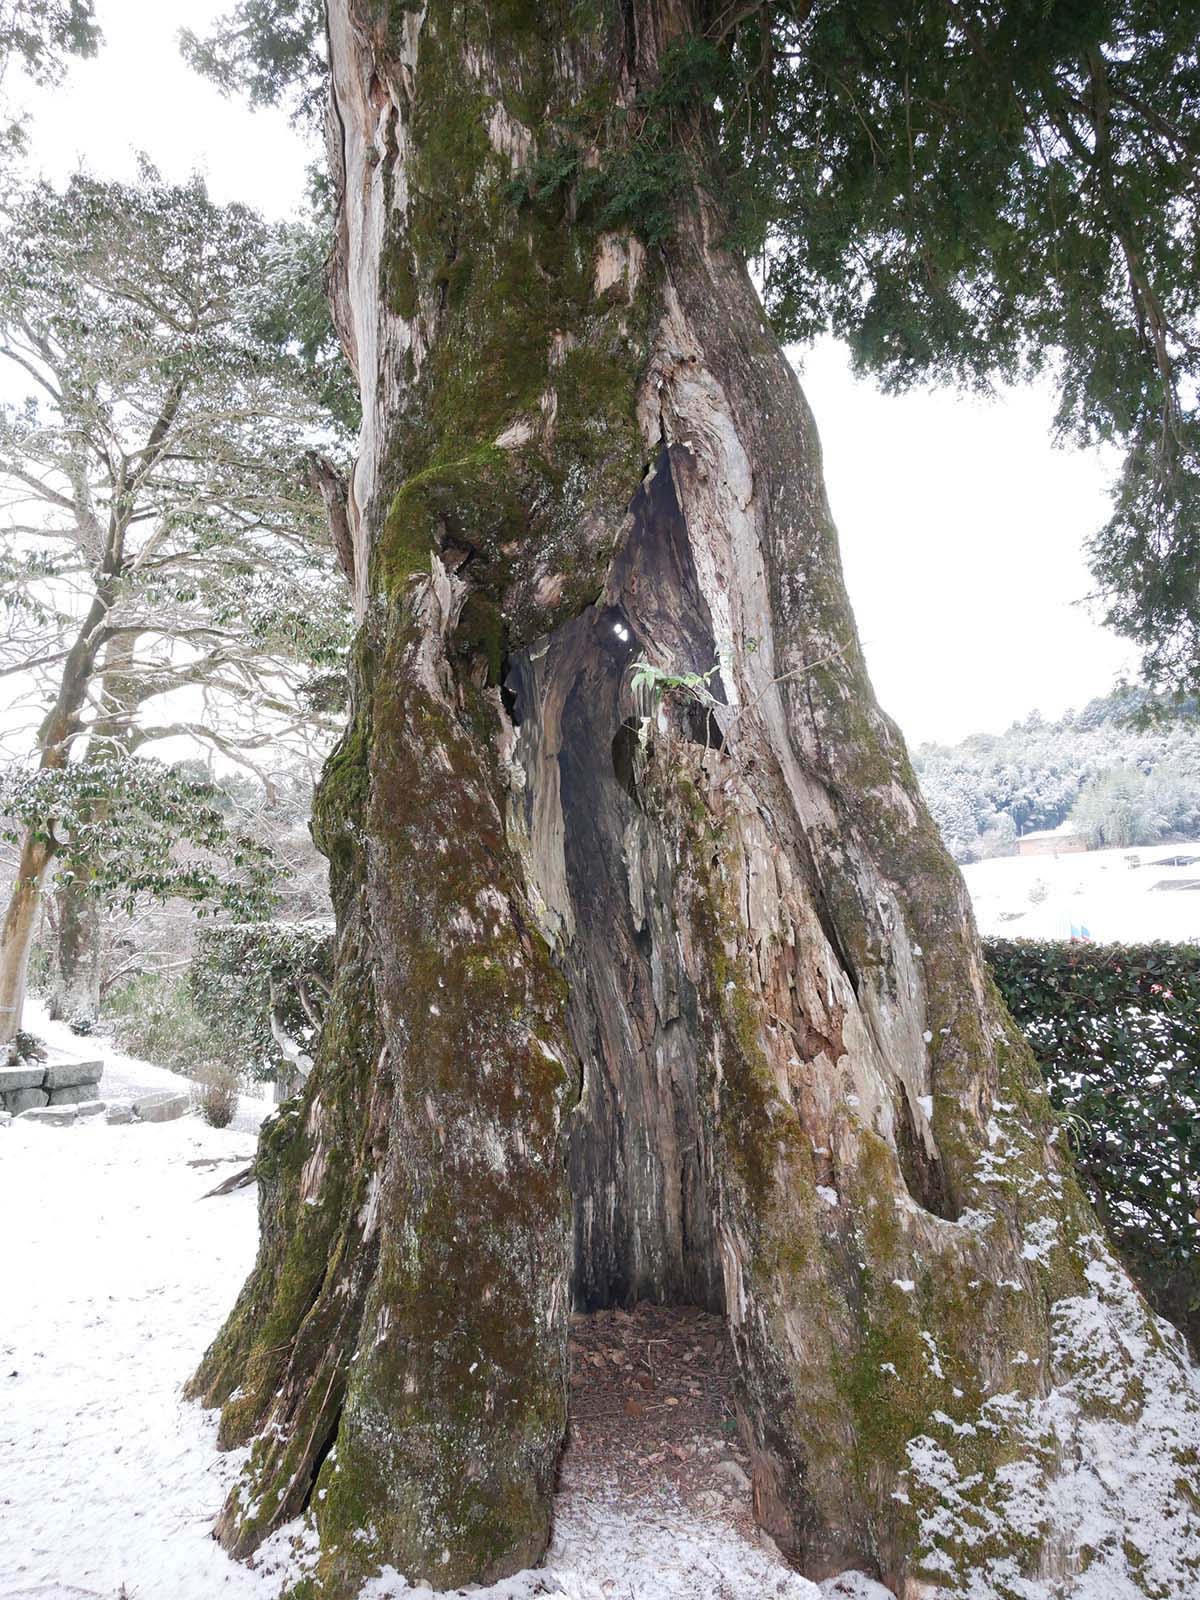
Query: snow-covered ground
127, 1077
116, 1274
1116, 895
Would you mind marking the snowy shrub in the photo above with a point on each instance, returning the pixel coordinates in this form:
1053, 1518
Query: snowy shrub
153, 1016
24, 1047
262, 987
216, 1095
1116, 1030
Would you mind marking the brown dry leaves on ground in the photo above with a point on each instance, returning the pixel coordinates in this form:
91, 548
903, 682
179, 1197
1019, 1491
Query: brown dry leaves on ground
652, 1407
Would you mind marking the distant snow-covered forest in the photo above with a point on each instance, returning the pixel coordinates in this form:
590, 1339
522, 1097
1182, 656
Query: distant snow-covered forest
1125, 770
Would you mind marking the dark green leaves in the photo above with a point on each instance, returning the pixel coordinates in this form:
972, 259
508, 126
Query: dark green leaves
643, 169
242, 972
39, 33
130, 827
975, 191
268, 50
1115, 1030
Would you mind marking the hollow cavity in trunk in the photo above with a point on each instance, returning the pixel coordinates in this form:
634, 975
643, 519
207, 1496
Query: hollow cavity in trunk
638, 1155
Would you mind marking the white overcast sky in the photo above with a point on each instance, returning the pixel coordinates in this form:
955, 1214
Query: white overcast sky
962, 528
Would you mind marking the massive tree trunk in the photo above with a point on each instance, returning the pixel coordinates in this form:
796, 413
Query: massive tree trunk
639, 996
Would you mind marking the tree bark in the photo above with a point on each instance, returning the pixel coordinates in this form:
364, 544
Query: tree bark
58, 730
19, 931
635, 998
328, 482
78, 955
78, 969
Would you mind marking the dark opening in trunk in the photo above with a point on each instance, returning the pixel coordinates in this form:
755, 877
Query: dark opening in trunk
637, 1155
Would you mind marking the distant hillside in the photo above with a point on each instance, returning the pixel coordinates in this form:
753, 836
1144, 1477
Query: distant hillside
1126, 769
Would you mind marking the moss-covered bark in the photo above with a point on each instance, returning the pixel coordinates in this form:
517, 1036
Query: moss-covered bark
643, 998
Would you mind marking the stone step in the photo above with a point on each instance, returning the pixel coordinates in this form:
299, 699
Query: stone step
59, 1080
63, 1072
165, 1106
19, 1100
26, 1076
51, 1116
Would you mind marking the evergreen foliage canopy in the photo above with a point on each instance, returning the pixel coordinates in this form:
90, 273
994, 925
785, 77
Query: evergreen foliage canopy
981, 191
38, 33
969, 192
267, 50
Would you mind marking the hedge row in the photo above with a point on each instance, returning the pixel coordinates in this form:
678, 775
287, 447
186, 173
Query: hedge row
1116, 1031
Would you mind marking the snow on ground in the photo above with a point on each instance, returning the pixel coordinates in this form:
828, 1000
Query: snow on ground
116, 1275
1117, 895
126, 1077
658, 1550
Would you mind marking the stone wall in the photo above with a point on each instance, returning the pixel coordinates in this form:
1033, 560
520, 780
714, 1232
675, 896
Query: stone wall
59, 1080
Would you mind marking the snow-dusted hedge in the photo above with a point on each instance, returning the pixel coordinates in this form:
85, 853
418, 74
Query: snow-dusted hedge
246, 976
1116, 1029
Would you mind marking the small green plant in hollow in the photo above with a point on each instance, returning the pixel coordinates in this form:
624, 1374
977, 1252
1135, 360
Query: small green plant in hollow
653, 685
657, 684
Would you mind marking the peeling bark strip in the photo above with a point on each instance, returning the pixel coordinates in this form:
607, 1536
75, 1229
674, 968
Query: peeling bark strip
633, 1001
